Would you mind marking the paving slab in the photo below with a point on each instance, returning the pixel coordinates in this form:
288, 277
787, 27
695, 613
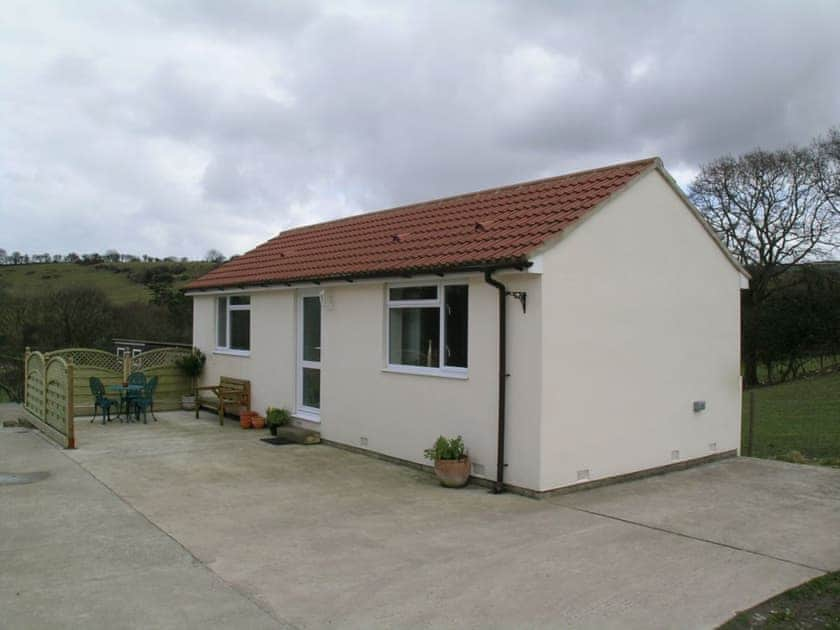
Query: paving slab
75, 555
783, 510
323, 537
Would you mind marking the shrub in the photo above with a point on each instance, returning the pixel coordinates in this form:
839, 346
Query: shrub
275, 417
446, 448
192, 363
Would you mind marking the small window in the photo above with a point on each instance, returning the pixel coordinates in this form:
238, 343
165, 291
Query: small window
233, 323
414, 293
427, 327
455, 319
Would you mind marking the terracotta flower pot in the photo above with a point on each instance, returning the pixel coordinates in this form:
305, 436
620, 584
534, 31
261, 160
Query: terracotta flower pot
453, 473
257, 421
245, 420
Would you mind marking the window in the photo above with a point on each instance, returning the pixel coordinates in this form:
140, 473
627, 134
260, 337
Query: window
233, 323
427, 327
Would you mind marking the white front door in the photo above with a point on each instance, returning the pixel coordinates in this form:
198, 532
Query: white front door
309, 356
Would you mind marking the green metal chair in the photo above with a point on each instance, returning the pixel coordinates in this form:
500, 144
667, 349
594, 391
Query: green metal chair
146, 400
100, 400
135, 378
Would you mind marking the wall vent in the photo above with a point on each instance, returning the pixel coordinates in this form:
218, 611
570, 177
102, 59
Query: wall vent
363, 441
583, 475
712, 446
675, 455
477, 468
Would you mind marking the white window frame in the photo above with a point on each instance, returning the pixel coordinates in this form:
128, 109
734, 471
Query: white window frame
439, 302
226, 349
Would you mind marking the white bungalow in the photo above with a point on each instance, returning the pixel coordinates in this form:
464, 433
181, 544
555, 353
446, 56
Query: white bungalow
585, 326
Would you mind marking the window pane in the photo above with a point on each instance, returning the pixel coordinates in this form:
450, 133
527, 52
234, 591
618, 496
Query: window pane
240, 330
221, 322
312, 388
413, 293
414, 336
456, 325
236, 300
312, 329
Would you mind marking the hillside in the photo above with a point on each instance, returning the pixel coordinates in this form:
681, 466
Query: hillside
122, 282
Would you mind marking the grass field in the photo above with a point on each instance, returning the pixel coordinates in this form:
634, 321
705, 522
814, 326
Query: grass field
34, 279
815, 604
796, 421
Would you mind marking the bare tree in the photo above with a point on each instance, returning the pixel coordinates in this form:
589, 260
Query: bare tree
827, 149
214, 256
773, 209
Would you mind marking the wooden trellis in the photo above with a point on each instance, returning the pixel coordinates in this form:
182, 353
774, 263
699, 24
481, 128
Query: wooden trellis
48, 396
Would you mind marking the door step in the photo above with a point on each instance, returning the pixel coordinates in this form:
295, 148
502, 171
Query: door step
299, 435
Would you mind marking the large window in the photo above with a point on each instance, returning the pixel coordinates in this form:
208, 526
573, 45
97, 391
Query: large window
233, 323
427, 327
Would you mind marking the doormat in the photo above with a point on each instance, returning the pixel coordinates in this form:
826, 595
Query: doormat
276, 441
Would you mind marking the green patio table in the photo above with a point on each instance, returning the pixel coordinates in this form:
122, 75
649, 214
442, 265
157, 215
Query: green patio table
125, 392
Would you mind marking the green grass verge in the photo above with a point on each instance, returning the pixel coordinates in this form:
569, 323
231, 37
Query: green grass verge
34, 279
797, 421
815, 604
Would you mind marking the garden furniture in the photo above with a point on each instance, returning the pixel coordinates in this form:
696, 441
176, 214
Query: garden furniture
100, 400
145, 399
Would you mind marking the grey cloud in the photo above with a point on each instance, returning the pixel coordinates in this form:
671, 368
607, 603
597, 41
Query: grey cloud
218, 124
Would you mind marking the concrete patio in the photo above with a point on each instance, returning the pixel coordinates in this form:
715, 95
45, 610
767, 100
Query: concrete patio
183, 523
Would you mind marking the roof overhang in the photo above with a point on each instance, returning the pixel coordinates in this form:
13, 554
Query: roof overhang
517, 266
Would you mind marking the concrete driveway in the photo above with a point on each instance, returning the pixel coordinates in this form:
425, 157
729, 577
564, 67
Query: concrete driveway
315, 536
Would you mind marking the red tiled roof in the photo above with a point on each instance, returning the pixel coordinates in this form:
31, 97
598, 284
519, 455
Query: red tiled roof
482, 229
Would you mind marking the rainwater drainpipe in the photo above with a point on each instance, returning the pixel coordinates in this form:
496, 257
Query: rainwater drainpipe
499, 487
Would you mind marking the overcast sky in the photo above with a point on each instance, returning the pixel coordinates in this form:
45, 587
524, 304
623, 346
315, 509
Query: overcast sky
172, 127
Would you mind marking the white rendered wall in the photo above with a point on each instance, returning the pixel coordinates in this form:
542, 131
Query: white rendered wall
399, 414
271, 364
640, 318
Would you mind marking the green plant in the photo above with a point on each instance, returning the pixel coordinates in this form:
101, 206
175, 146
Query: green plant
192, 364
275, 417
446, 448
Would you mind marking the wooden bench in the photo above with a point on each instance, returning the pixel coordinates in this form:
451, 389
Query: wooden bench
231, 395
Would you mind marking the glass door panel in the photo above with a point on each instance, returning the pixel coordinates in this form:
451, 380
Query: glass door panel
309, 356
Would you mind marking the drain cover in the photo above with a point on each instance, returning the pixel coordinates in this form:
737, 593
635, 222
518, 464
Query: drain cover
11, 479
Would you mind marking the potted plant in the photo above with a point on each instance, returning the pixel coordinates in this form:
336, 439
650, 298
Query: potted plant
191, 365
257, 421
452, 464
277, 417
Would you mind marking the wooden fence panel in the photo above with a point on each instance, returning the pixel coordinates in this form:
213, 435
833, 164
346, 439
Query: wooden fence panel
172, 383
34, 365
49, 396
112, 370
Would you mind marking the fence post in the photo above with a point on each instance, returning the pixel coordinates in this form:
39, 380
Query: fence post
126, 367
751, 420
71, 424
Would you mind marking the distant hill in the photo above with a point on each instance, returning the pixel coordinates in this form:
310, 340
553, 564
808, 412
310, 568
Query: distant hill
122, 282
